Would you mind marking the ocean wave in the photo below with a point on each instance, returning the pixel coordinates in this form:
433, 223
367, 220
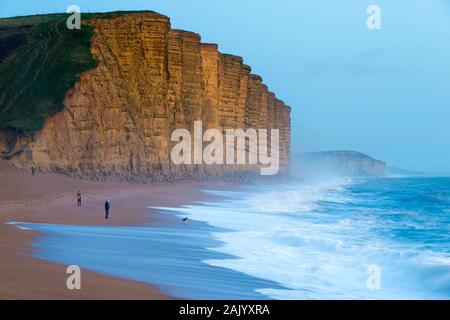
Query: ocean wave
318, 239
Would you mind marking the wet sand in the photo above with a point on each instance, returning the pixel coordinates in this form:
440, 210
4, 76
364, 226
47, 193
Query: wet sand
51, 198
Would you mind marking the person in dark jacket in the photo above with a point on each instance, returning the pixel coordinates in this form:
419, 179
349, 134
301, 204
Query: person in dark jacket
107, 206
79, 198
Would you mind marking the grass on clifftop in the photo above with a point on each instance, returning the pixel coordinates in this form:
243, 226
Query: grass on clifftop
39, 62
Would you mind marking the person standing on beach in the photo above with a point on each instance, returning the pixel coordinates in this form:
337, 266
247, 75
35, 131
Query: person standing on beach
33, 169
79, 198
107, 206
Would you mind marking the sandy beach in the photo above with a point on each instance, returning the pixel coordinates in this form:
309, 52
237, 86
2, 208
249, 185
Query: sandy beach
51, 198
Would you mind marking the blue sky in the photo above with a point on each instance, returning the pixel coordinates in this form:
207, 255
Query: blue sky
384, 92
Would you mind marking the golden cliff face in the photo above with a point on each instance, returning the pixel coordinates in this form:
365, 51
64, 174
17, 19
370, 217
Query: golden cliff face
151, 79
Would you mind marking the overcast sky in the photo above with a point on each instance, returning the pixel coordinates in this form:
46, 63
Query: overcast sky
383, 92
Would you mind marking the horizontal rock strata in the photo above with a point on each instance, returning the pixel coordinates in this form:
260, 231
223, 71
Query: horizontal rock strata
151, 79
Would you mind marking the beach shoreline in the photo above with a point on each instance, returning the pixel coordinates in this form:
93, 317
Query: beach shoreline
51, 199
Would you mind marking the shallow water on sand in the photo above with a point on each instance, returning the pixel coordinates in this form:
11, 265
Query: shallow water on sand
295, 240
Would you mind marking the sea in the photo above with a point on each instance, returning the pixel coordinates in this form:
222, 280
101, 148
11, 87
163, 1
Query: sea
335, 238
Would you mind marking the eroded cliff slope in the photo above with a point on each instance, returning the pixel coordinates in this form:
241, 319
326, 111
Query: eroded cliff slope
150, 80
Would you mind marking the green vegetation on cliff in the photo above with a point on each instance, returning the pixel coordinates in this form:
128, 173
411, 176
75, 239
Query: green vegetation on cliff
40, 59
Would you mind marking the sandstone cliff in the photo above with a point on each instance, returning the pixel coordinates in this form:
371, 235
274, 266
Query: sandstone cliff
337, 163
151, 79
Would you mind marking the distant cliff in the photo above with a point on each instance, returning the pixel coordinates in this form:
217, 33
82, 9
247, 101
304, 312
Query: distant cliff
150, 80
342, 163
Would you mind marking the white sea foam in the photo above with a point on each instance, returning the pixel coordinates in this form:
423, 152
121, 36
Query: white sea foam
24, 228
283, 234
18, 225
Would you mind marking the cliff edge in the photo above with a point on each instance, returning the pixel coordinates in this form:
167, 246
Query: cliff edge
149, 80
